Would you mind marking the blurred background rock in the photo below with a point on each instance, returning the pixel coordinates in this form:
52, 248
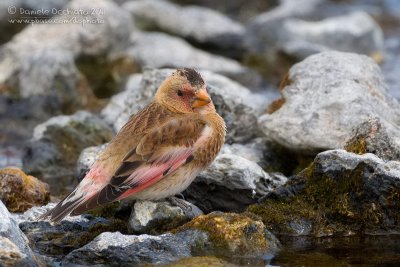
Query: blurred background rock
69, 83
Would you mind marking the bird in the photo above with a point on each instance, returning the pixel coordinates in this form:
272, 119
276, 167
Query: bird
157, 153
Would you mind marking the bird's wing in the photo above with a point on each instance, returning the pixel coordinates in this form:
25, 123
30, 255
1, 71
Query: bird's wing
159, 153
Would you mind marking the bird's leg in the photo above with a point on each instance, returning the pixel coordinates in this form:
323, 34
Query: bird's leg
180, 195
181, 203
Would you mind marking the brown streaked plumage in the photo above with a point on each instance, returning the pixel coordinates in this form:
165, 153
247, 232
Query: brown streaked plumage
157, 153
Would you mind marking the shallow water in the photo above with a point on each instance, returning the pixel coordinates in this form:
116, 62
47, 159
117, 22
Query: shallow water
346, 251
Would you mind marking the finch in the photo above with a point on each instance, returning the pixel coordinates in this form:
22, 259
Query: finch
157, 153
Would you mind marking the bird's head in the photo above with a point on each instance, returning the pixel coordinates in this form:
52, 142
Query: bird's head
185, 92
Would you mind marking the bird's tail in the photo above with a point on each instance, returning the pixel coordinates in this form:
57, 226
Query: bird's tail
75, 199
64, 207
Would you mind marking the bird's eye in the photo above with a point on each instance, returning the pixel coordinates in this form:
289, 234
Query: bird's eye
179, 93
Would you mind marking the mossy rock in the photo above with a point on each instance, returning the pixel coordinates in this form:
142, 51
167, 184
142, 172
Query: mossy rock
243, 235
340, 193
20, 192
60, 239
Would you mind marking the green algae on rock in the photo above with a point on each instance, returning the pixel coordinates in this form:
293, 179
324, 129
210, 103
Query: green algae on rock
340, 193
20, 192
243, 235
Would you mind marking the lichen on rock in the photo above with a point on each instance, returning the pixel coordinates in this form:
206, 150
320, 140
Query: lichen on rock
20, 192
232, 233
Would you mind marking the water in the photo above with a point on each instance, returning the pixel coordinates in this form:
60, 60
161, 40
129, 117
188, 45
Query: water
346, 251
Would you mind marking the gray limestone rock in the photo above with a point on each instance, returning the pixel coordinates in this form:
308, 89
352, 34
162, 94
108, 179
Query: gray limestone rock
361, 35
73, 232
156, 217
40, 59
199, 24
231, 183
160, 50
52, 153
324, 97
14, 247
116, 249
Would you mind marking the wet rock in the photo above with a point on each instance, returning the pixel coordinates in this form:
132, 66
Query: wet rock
323, 97
160, 50
116, 249
57, 240
340, 194
234, 234
197, 24
371, 137
157, 217
362, 35
40, 59
231, 183
20, 192
233, 102
52, 153
14, 249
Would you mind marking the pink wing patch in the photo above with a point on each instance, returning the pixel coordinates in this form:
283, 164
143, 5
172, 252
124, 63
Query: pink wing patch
162, 165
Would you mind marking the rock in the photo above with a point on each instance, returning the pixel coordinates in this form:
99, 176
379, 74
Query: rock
391, 65
201, 25
57, 240
40, 59
160, 50
14, 249
371, 137
21, 116
20, 192
231, 183
116, 249
233, 102
234, 234
362, 35
157, 217
255, 150
323, 97
263, 31
10, 156
52, 153
339, 194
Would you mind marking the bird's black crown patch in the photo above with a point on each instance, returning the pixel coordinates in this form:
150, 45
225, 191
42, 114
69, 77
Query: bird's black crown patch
192, 76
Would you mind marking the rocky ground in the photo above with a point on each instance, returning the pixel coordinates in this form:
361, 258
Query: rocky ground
311, 107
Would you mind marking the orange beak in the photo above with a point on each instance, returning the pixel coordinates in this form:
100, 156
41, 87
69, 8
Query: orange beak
201, 99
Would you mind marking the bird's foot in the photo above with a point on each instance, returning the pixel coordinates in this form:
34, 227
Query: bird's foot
181, 203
